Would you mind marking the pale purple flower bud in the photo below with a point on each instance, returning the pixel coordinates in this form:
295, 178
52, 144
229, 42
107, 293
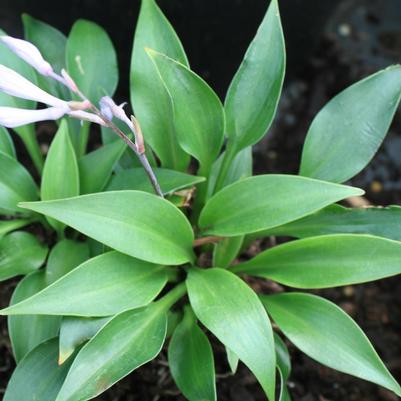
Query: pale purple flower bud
109, 109
16, 85
11, 117
28, 52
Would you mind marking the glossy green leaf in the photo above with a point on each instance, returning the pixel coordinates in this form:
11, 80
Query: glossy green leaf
173, 318
351, 127
60, 177
128, 221
282, 356
27, 332
126, 342
38, 376
16, 185
65, 256
149, 97
6, 143
284, 393
327, 334
327, 261
91, 60
169, 180
7, 226
74, 331
241, 167
122, 283
96, 167
232, 360
197, 109
265, 201
51, 43
20, 253
234, 314
190, 359
254, 93
226, 250
336, 219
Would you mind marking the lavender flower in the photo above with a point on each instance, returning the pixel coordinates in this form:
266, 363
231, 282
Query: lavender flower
29, 53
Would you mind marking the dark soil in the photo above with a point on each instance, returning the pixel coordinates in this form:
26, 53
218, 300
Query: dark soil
358, 38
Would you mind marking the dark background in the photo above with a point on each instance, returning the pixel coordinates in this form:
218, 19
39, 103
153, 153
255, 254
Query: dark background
330, 44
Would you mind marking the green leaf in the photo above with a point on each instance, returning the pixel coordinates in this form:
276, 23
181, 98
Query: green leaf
10, 225
121, 283
96, 167
38, 376
197, 109
27, 332
16, 185
351, 127
74, 331
6, 143
126, 342
240, 167
20, 253
128, 221
91, 60
234, 314
226, 250
190, 358
327, 334
51, 43
65, 256
169, 180
149, 97
327, 261
254, 93
284, 393
282, 356
336, 219
232, 360
265, 201
60, 177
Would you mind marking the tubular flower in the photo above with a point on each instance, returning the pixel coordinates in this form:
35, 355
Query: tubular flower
12, 117
16, 85
28, 52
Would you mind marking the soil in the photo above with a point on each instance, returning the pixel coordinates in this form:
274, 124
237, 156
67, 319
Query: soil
358, 38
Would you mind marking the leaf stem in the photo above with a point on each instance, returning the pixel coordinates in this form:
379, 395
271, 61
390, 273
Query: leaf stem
168, 300
206, 240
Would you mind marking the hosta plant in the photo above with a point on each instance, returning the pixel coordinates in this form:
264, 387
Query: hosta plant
139, 243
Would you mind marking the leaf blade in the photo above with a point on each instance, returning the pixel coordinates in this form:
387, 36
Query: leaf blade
362, 112
260, 202
329, 336
149, 97
196, 109
120, 219
121, 283
190, 358
233, 313
261, 74
126, 342
327, 261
